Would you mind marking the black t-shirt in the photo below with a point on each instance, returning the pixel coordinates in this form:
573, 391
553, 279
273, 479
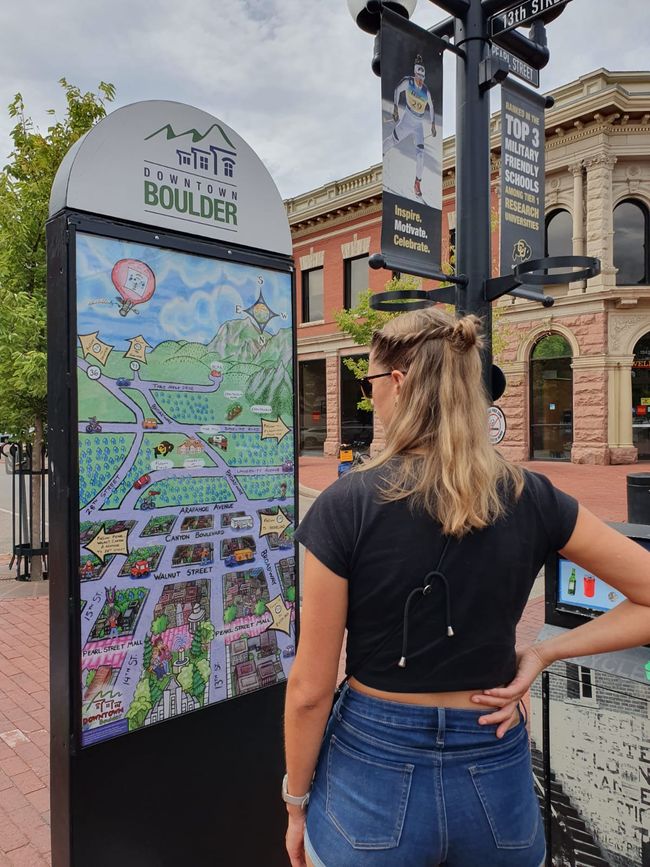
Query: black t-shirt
385, 550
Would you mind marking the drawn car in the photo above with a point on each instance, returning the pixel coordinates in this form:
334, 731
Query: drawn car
242, 555
233, 411
289, 650
220, 441
122, 381
140, 569
287, 467
142, 481
149, 424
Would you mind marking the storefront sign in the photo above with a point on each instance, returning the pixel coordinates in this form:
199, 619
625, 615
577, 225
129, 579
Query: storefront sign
522, 176
411, 90
496, 425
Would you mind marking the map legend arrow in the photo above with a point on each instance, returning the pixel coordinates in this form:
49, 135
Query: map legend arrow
105, 543
274, 428
281, 615
274, 523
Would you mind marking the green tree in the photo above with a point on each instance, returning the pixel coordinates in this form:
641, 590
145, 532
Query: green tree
229, 614
196, 650
198, 686
159, 624
25, 185
203, 668
141, 704
207, 631
185, 677
260, 608
291, 594
146, 653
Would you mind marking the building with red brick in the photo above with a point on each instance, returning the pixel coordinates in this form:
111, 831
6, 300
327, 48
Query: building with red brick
578, 373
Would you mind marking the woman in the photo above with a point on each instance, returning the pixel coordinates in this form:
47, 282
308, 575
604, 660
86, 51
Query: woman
427, 555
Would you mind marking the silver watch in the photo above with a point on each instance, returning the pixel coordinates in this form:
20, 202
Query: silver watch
295, 800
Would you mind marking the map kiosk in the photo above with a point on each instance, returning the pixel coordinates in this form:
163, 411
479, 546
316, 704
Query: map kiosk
172, 461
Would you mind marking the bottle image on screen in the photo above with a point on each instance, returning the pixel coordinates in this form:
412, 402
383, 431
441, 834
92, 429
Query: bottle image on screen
589, 585
572, 583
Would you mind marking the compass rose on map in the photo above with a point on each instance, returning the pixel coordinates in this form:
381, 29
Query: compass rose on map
260, 312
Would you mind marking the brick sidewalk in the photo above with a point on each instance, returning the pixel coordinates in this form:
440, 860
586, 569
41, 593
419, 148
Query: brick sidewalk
24, 733
600, 489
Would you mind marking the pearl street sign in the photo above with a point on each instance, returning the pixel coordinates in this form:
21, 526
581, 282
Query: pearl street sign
516, 65
522, 14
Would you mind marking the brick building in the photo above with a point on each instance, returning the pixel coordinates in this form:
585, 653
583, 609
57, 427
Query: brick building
579, 372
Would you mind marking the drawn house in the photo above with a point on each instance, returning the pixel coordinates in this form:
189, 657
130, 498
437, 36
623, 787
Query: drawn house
224, 162
191, 447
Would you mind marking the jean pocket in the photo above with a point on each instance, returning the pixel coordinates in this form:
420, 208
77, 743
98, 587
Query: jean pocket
507, 792
366, 796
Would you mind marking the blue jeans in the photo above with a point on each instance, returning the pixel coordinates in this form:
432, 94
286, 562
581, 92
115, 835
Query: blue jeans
400, 785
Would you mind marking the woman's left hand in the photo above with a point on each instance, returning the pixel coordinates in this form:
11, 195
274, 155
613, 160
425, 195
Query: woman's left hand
506, 699
295, 839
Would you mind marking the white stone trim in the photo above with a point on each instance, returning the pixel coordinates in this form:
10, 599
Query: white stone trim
312, 260
356, 247
525, 348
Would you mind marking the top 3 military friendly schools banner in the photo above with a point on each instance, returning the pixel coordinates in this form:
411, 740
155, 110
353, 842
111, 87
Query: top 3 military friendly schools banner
411, 91
522, 175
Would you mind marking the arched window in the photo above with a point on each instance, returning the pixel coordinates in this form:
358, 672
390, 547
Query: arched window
631, 243
559, 233
551, 399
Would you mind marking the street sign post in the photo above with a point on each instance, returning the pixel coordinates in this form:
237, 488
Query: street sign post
516, 65
522, 14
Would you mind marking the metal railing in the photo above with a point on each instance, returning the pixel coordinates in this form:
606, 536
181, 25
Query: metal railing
29, 472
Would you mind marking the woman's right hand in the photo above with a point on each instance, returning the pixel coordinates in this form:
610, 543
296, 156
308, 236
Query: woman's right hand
530, 663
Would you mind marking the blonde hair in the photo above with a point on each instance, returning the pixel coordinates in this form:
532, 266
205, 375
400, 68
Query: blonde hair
439, 427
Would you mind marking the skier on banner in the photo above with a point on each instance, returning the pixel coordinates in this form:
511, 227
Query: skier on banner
413, 119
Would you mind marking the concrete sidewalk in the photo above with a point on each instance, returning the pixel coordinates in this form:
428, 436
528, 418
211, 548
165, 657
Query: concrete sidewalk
24, 661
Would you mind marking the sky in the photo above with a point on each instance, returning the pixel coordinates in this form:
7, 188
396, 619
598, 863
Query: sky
292, 77
214, 291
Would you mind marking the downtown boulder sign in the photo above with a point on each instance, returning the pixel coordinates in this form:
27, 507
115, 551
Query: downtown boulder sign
172, 455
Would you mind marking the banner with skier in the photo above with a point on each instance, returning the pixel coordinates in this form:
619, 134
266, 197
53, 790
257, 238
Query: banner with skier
411, 91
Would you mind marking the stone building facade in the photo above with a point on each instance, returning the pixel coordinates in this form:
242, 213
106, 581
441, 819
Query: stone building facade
578, 374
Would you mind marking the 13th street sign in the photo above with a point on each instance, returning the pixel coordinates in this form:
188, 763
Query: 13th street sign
522, 14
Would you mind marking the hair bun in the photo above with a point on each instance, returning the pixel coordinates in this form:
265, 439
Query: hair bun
465, 333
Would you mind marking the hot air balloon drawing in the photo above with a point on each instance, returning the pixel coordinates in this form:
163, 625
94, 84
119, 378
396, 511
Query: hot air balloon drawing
135, 282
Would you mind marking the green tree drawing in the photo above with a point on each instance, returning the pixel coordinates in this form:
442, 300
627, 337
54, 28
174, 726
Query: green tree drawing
229, 614
260, 608
196, 650
141, 704
146, 653
159, 624
198, 686
185, 676
25, 185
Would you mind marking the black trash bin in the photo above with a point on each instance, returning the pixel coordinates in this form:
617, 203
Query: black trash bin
638, 498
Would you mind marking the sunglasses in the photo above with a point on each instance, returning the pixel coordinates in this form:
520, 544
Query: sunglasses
366, 383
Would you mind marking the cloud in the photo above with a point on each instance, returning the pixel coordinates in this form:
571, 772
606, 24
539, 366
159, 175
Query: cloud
291, 76
197, 317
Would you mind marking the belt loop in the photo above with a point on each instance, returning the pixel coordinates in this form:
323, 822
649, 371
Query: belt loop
440, 739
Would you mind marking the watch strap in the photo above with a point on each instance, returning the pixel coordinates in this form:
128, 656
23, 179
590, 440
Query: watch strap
294, 800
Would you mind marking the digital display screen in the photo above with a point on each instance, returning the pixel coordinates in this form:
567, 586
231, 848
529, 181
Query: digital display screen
583, 590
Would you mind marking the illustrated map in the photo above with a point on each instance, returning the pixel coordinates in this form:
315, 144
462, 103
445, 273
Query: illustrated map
186, 482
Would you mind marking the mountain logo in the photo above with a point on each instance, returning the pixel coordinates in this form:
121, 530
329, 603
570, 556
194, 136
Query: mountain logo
170, 133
